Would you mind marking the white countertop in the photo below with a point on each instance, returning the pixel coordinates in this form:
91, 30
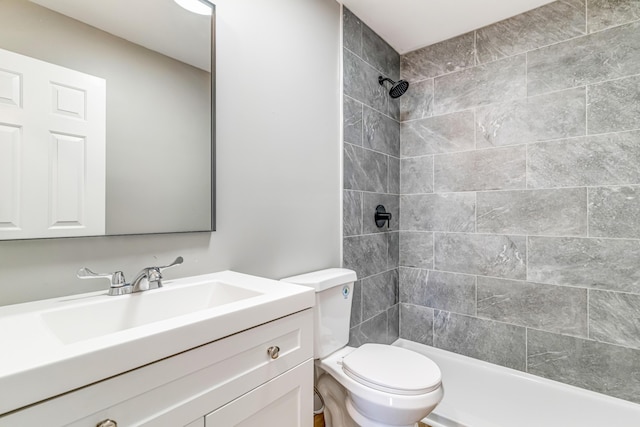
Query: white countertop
36, 364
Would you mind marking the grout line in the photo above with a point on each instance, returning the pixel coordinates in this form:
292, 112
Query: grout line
526, 165
543, 141
585, 84
540, 236
372, 150
586, 110
588, 314
588, 228
526, 349
361, 213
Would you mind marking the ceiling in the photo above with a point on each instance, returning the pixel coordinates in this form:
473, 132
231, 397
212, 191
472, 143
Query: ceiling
163, 26
411, 24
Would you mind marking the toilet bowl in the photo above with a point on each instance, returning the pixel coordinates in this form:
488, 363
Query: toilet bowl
392, 386
384, 385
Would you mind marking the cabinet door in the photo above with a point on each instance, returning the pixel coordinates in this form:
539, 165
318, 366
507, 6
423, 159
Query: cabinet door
285, 401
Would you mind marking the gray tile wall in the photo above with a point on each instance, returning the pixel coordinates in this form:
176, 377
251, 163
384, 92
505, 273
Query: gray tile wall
372, 177
519, 201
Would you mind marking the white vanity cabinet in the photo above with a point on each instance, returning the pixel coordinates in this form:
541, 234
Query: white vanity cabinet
229, 382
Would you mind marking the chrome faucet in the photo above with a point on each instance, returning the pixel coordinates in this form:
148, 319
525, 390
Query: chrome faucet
148, 278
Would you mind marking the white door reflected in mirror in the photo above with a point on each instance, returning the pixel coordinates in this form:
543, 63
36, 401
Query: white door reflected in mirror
52, 150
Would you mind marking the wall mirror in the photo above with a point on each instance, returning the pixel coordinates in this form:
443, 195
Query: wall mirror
106, 117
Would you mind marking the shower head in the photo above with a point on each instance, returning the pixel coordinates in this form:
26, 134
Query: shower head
397, 88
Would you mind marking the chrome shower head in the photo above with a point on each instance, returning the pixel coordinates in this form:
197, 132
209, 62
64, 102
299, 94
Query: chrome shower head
397, 88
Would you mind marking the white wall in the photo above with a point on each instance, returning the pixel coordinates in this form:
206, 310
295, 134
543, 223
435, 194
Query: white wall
278, 164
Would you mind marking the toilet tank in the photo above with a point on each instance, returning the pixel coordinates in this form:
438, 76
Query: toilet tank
332, 312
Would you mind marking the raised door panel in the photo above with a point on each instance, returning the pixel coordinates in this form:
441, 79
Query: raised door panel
285, 401
197, 423
10, 173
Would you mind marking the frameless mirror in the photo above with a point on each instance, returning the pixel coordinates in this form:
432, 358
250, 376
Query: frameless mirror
106, 118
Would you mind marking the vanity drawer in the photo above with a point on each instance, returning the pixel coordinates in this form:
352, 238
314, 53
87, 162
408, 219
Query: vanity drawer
177, 390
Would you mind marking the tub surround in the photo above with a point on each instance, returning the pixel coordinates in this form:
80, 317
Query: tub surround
371, 177
518, 239
547, 243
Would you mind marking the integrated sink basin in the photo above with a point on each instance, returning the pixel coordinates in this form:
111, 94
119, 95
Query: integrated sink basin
54, 346
108, 316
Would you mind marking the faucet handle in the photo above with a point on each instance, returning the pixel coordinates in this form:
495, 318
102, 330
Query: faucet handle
175, 262
117, 278
118, 283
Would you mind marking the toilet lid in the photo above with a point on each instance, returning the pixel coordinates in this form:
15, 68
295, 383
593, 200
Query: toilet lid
392, 369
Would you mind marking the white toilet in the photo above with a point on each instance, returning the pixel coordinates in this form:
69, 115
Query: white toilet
385, 385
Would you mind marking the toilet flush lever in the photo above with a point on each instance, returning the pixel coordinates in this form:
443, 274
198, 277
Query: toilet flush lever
381, 216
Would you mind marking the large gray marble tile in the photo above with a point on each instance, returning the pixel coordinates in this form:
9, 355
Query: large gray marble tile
595, 263
608, 13
551, 308
441, 58
373, 330
379, 54
550, 116
600, 367
394, 176
416, 323
366, 255
356, 304
491, 169
595, 160
487, 255
416, 175
413, 285
440, 290
417, 102
614, 212
361, 83
393, 249
439, 134
381, 133
379, 293
393, 323
585, 60
391, 202
351, 32
364, 170
352, 124
561, 212
615, 318
451, 292
352, 212
615, 106
486, 340
497, 81
438, 212
545, 25
416, 249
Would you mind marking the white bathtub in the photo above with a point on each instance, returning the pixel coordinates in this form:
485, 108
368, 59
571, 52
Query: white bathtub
480, 394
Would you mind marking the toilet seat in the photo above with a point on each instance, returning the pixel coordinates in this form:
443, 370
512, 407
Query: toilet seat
392, 370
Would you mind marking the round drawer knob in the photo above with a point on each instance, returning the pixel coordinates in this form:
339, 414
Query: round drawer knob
107, 423
273, 351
